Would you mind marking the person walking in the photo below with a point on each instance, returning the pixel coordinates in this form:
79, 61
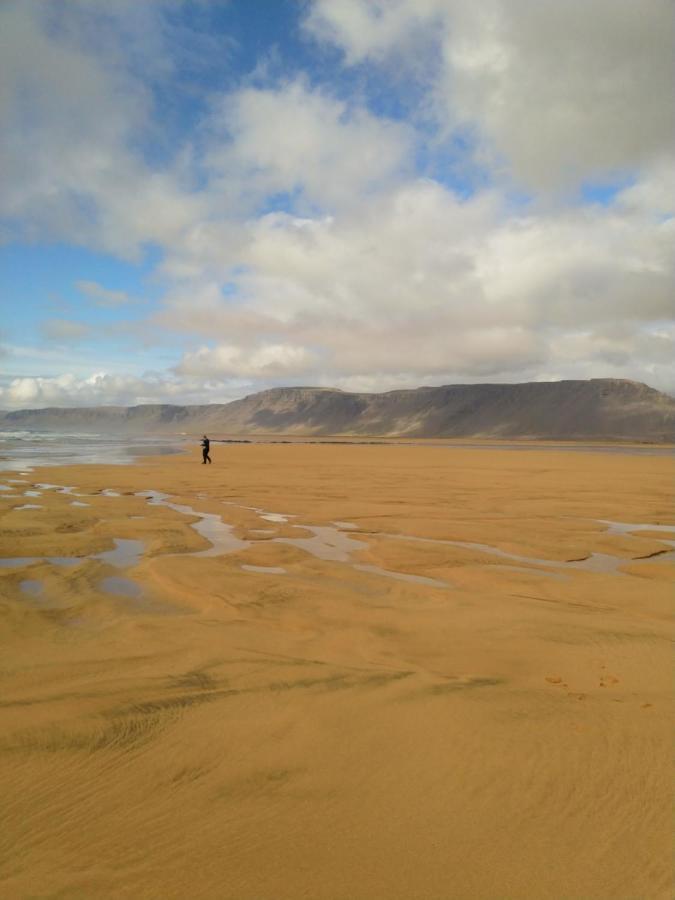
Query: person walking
206, 444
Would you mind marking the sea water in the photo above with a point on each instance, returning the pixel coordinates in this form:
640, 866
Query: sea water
22, 451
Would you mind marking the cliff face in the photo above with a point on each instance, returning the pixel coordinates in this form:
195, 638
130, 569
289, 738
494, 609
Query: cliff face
596, 409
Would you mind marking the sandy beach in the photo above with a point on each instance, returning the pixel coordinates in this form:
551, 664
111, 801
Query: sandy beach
338, 673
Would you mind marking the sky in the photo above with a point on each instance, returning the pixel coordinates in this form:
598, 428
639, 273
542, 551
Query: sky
203, 199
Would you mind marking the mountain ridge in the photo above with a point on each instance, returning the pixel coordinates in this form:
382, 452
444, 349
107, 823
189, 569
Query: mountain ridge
599, 408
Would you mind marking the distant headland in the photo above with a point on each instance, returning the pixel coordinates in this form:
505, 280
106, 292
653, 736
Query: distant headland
595, 409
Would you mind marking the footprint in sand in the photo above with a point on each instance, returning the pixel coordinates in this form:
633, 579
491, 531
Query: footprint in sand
554, 679
606, 680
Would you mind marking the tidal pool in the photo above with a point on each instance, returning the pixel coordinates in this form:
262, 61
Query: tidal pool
210, 526
31, 586
337, 542
125, 587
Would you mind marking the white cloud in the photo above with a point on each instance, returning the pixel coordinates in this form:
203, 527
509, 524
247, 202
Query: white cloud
102, 296
296, 139
64, 330
267, 361
73, 113
65, 390
562, 92
417, 283
106, 389
371, 29
653, 193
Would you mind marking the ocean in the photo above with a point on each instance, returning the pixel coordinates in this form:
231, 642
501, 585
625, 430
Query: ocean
25, 450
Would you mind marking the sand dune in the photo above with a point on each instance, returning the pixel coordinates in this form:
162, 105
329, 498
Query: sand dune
492, 725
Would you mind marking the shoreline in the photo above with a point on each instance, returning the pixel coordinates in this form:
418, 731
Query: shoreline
329, 712
618, 446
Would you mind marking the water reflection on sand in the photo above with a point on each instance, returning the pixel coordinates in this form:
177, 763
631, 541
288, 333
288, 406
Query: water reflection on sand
336, 542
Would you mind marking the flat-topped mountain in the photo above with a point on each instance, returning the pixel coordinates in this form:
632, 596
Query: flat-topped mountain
602, 408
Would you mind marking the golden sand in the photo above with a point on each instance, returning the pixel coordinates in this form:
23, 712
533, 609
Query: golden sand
334, 733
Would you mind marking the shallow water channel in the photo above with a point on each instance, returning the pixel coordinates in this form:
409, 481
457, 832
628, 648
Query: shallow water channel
337, 542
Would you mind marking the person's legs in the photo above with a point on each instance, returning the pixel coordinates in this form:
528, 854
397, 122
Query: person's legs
205, 456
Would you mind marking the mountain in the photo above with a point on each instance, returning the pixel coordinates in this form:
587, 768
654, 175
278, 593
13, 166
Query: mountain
602, 408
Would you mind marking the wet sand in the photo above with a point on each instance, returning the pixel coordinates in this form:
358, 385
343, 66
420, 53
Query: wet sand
339, 673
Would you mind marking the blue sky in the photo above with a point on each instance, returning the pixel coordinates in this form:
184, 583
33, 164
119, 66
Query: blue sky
204, 199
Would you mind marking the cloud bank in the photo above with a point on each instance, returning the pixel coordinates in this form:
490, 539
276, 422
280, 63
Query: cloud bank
461, 193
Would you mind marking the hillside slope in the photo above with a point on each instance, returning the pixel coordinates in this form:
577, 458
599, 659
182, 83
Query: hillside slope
611, 409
